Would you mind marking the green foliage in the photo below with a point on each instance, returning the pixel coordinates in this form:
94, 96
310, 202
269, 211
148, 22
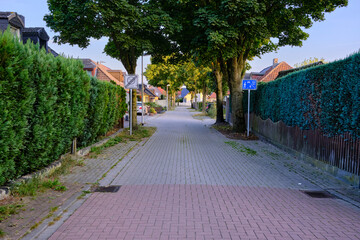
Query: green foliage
107, 105
45, 103
325, 97
8, 210
241, 148
309, 61
152, 110
234, 32
212, 111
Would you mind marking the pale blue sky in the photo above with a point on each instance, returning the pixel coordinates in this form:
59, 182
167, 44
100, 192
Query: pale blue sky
335, 38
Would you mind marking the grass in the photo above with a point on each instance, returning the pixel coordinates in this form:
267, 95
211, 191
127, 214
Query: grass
241, 148
51, 213
9, 210
138, 134
35, 185
2, 233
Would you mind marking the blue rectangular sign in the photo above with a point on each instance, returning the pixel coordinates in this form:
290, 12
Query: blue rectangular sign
249, 84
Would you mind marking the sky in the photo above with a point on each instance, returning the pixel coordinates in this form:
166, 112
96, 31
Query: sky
335, 38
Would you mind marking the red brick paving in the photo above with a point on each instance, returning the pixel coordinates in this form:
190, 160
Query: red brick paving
210, 212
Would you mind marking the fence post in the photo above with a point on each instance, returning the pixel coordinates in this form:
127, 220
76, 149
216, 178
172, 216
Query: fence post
73, 147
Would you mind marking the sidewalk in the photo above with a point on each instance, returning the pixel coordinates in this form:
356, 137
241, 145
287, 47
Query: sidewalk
190, 182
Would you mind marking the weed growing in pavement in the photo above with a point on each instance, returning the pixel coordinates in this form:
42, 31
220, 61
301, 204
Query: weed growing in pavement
273, 155
8, 210
51, 213
35, 185
241, 148
2, 233
137, 135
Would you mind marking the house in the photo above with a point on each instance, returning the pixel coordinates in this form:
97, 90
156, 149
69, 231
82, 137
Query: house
102, 72
149, 96
16, 22
269, 73
211, 97
156, 91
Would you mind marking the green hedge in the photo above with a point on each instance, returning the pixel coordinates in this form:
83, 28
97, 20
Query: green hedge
107, 105
325, 97
45, 102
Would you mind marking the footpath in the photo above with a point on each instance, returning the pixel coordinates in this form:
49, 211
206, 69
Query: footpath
188, 181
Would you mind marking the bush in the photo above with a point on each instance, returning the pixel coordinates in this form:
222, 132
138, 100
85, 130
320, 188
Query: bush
325, 97
45, 103
152, 110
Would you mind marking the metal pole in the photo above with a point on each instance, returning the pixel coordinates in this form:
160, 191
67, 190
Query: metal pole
142, 89
167, 98
130, 112
248, 116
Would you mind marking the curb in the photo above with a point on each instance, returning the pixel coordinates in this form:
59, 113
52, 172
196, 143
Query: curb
5, 191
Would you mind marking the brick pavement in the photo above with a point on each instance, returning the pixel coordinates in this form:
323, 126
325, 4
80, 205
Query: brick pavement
190, 182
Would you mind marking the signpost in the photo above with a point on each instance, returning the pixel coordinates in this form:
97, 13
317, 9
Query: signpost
249, 85
131, 82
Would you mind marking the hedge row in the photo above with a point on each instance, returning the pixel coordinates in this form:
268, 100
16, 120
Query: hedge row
325, 97
45, 102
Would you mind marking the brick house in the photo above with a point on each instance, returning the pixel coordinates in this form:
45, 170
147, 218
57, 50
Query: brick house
102, 72
270, 73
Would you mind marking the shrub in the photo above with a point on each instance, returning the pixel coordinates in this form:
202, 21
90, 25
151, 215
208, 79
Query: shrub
325, 97
45, 103
152, 110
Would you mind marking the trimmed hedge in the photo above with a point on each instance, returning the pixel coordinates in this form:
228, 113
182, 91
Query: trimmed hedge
45, 102
325, 97
107, 105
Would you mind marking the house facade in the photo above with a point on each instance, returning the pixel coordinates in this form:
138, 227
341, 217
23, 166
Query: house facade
269, 73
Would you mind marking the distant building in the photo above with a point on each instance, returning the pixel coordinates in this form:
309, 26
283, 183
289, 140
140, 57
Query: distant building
16, 23
102, 72
269, 73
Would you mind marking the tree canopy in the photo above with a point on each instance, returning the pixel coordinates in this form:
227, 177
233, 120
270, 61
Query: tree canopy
132, 27
237, 31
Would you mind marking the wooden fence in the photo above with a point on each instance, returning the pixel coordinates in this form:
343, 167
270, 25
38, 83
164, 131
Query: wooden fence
342, 152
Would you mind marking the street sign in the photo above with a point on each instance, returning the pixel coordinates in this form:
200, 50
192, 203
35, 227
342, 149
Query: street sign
131, 82
249, 84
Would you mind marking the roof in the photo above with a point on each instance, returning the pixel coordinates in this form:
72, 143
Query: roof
269, 73
155, 90
163, 92
88, 63
13, 18
36, 31
184, 92
103, 69
146, 91
212, 95
50, 50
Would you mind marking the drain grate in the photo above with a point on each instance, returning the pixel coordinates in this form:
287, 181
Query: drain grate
319, 194
111, 189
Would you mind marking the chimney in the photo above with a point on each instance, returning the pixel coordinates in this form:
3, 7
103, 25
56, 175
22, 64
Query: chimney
275, 61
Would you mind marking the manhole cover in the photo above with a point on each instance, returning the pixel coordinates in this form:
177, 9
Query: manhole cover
318, 194
110, 189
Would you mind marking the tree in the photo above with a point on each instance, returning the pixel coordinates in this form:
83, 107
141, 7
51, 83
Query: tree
309, 61
132, 27
165, 75
240, 30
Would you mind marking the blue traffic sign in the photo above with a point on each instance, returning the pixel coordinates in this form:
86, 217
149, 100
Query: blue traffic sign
249, 84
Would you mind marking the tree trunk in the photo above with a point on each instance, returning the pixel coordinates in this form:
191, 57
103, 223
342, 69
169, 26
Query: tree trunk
236, 71
204, 97
219, 93
129, 63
